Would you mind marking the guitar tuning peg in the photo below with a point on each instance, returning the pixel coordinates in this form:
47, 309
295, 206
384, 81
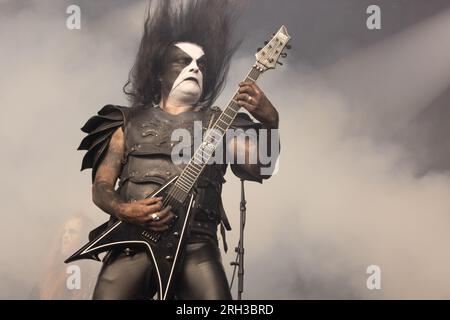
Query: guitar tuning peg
259, 49
280, 63
289, 47
284, 55
266, 42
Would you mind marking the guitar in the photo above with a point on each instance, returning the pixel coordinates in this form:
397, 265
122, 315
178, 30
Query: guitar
166, 248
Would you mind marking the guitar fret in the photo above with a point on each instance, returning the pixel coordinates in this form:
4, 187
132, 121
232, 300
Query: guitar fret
196, 166
205, 159
226, 118
216, 140
234, 105
229, 110
198, 153
203, 151
189, 174
219, 131
179, 185
207, 156
183, 183
218, 125
192, 170
227, 124
225, 115
197, 159
186, 182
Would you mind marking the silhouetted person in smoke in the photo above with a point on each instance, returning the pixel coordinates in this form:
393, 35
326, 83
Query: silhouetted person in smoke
67, 282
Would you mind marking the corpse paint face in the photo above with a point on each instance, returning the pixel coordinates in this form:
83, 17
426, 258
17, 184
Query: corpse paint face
182, 79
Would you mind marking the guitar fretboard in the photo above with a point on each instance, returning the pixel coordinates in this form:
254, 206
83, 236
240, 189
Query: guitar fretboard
213, 138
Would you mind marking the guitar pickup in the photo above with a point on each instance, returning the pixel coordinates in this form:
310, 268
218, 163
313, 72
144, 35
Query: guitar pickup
152, 236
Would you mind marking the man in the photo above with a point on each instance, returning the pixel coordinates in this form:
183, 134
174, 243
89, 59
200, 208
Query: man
179, 71
53, 284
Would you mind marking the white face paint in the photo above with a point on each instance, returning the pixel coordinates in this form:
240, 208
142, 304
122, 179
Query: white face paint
185, 89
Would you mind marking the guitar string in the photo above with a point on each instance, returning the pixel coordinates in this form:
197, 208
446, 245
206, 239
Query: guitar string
253, 74
176, 191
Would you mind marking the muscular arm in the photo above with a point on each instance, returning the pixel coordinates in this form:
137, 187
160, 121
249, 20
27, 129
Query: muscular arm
104, 194
253, 99
106, 197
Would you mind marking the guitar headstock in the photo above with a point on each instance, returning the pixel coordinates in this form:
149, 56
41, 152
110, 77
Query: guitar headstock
267, 57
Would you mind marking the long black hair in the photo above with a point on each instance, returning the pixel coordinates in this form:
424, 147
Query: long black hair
208, 23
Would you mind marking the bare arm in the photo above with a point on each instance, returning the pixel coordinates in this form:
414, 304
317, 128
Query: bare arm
106, 197
253, 99
103, 188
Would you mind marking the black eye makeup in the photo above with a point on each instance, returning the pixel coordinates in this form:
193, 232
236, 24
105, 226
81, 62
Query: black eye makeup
178, 59
202, 62
184, 61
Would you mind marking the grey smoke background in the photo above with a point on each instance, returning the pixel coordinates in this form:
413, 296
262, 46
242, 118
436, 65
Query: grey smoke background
363, 173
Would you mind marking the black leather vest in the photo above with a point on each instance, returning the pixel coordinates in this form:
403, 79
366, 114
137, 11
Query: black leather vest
147, 161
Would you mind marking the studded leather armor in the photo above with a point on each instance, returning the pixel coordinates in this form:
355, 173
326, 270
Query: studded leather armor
147, 159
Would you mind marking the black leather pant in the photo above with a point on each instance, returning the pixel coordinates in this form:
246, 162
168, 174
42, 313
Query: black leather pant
130, 276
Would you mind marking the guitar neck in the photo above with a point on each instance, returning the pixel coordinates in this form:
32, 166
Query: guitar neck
212, 140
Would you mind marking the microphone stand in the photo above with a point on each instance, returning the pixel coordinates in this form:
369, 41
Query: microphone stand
240, 248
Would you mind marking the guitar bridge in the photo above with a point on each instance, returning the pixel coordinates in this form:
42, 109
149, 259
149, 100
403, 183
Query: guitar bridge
150, 235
